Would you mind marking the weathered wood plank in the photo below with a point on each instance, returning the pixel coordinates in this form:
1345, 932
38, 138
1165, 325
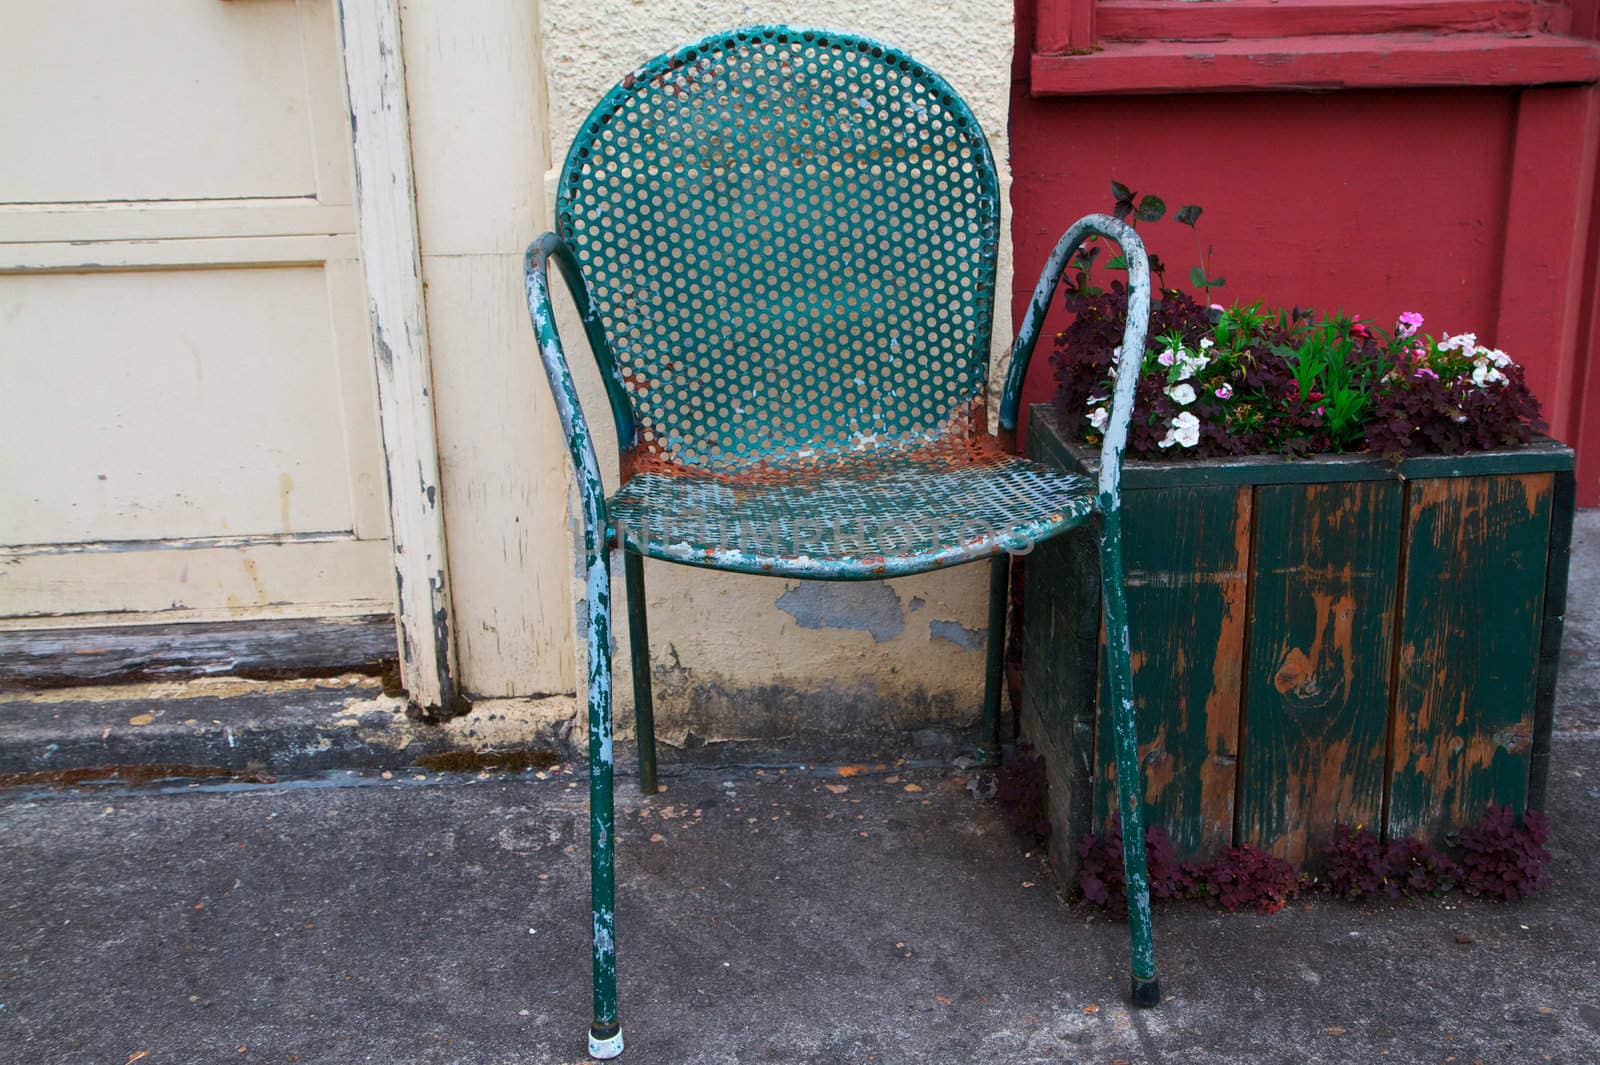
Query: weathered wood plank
1542, 453
1060, 638
1558, 563
1470, 632
1321, 638
1186, 554
387, 219
1143, 20
301, 647
1322, 63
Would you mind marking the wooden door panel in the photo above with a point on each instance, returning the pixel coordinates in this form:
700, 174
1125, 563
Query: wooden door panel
159, 405
188, 428
156, 100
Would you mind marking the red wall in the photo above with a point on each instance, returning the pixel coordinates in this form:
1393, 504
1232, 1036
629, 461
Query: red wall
1470, 205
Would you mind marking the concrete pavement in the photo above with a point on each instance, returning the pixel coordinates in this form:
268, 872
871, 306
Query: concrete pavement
862, 910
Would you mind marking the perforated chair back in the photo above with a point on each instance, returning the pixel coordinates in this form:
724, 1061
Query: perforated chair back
789, 237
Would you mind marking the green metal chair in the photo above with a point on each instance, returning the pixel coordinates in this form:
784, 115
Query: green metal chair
782, 245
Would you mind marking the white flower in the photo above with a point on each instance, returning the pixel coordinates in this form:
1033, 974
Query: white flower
1499, 358
1168, 357
1097, 418
1483, 375
1185, 430
1190, 363
1183, 394
1206, 343
1095, 401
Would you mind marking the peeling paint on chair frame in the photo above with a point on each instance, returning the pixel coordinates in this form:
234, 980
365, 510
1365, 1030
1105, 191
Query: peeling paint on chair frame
597, 572
1129, 799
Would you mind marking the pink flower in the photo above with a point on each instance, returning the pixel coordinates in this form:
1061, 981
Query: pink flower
1423, 371
1408, 324
1319, 410
1224, 391
1359, 329
1166, 358
1218, 307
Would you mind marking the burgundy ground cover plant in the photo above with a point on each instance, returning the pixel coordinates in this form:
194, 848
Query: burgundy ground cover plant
1237, 878
1501, 857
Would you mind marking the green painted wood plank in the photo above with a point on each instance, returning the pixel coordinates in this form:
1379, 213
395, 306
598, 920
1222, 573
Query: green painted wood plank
1470, 635
1542, 454
1060, 643
1186, 553
1558, 561
1060, 637
1321, 635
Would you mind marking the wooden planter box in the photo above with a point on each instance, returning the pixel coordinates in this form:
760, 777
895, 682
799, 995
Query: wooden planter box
1315, 642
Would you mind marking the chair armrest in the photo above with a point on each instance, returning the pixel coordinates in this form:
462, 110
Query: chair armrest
1133, 337
580, 442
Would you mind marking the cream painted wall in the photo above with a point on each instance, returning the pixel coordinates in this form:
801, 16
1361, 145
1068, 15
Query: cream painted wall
736, 655
476, 95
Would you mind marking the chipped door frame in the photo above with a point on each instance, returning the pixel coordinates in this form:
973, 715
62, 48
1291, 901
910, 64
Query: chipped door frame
391, 263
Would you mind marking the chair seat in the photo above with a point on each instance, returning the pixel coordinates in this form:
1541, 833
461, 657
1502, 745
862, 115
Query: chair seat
877, 513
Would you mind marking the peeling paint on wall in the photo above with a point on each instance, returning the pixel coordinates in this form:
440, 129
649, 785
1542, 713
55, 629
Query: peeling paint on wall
958, 634
872, 606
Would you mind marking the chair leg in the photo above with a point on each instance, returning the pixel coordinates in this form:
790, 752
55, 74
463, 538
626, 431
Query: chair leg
644, 712
994, 667
1130, 780
605, 1034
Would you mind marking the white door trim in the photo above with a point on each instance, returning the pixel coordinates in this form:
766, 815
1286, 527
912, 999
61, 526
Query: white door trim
391, 262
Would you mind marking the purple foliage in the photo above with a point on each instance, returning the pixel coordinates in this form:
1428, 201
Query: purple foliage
1100, 869
1358, 865
1505, 859
1245, 876
1287, 382
1023, 792
1239, 877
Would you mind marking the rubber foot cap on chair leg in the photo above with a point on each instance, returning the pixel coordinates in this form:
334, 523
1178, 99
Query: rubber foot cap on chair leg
1146, 993
605, 1042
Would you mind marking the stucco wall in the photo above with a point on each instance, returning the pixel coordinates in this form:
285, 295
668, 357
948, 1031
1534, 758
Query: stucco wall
735, 655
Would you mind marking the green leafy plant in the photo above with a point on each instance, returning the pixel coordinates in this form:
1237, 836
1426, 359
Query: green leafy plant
1333, 369
1251, 379
1199, 275
1132, 208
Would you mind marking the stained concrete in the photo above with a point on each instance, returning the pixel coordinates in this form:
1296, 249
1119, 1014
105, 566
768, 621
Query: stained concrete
764, 915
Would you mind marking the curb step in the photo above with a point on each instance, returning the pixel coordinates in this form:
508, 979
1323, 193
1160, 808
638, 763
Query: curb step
242, 728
